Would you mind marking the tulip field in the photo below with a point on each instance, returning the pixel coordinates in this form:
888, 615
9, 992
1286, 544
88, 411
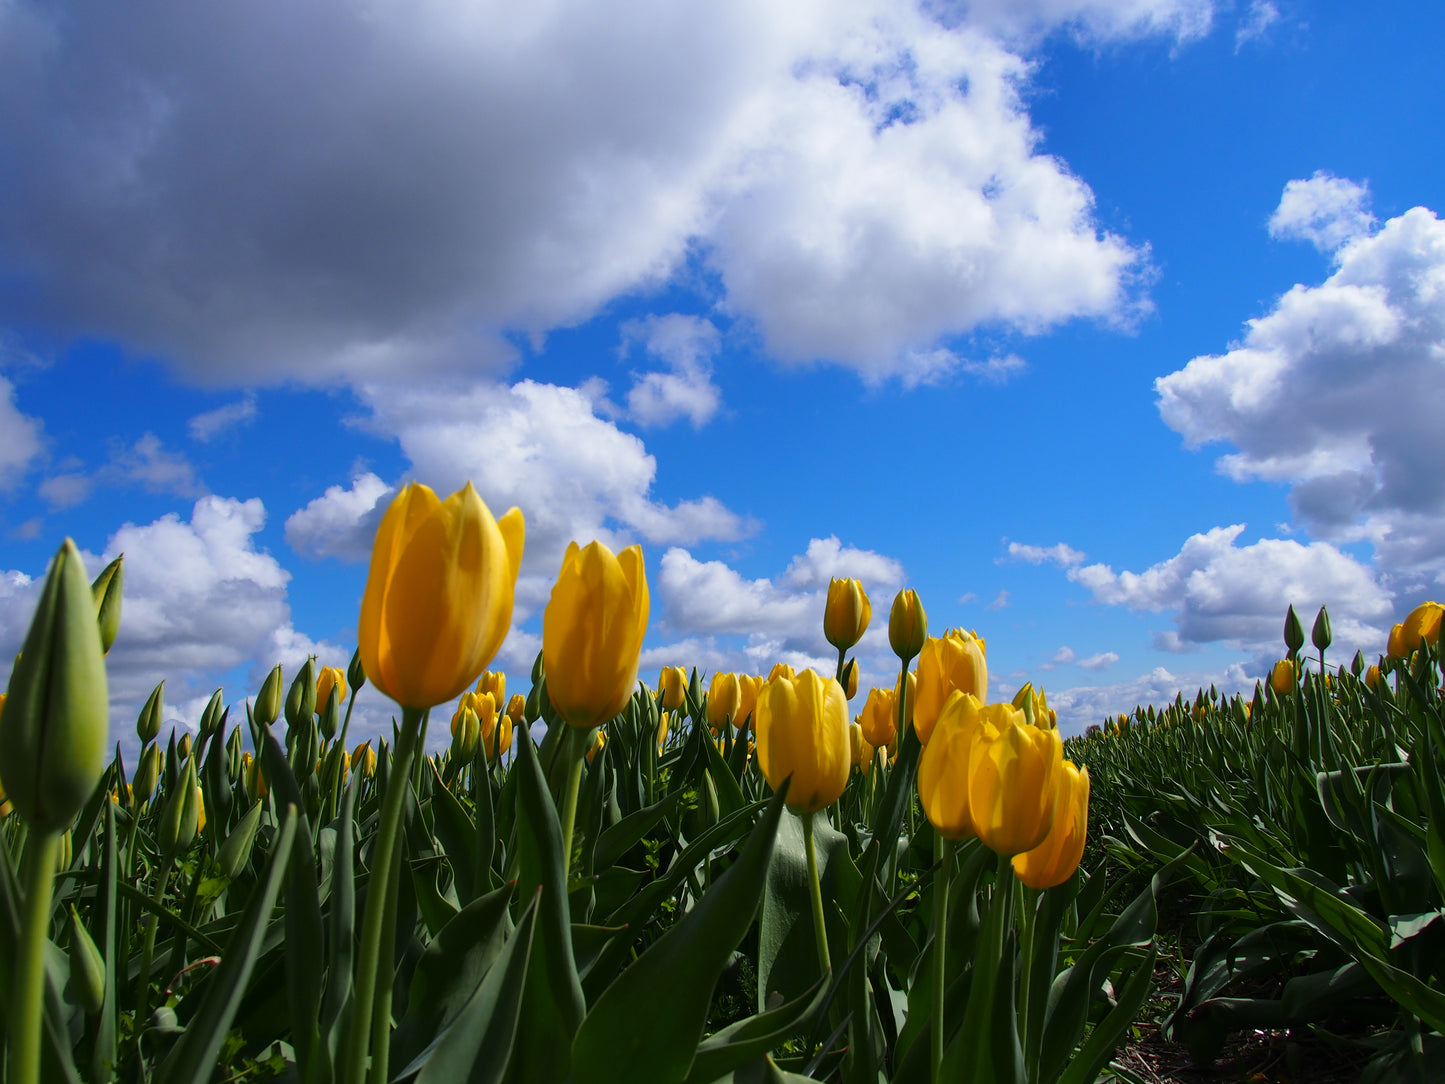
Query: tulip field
713, 877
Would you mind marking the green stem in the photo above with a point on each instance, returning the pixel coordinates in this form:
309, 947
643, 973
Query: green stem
377, 897
943, 851
987, 959
815, 889
381, 1015
148, 945
569, 806
842, 663
27, 990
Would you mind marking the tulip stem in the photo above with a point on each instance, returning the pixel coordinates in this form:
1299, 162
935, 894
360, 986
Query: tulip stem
378, 896
569, 803
27, 1000
943, 851
815, 889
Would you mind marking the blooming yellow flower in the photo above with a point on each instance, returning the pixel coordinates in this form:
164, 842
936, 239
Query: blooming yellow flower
671, 687
1284, 676
331, 677
592, 632
802, 728
438, 599
1422, 626
1012, 769
943, 765
952, 661
879, 718
724, 695
1054, 860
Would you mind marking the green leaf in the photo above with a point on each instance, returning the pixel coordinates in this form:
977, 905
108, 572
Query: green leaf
457, 833
646, 1026
629, 831
747, 1040
787, 952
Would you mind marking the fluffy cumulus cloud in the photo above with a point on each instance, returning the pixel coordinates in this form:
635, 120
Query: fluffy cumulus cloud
688, 345
342, 522
200, 601
1338, 390
399, 187
19, 438
212, 423
1219, 591
1325, 210
1085, 705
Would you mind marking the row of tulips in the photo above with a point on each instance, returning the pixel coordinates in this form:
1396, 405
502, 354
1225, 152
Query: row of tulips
681, 884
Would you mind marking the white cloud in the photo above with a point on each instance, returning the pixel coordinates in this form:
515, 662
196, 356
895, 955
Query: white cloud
340, 523
212, 423
1338, 391
688, 345
827, 559
1101, 661
66, 490
146, 463
1061, 554
1327, 211
1083, 706
1219, 591
863, 177
543, 448
1064, 656
996, 370
19, 437
1000, 600
1262, 14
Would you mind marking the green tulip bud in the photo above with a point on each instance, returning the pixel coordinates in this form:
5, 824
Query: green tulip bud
907, 625
1357, 664
105, 593
1294, 632
184, 746
181, 814
331, 713
1320, 634
213, 716
233, 753
355, 673
301, 700
147, 774
87, 968
268, 700
148, 723
52, 746
216, 783
236, 851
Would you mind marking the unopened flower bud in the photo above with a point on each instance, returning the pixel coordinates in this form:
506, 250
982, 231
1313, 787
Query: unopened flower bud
268, 700
1294, 632
907, 625
301, 699
1320, 634
148, 723
106, 592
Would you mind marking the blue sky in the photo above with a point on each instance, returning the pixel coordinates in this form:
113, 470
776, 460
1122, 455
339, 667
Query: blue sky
1112, 326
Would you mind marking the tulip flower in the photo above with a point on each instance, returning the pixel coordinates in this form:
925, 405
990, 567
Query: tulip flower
1422, 626
783, 670
1284, 676
859, 748
671, 687
879, 718
499, 740
331, 677
592, 632
663, 722
952, 661
516, 707
1372, 676
268, 700
943, 764
907, 625
494, 682
596, 747
723, 697
1012, 769
802, 728
1054, 860
1395, 646
438, 599
847, 613
749, 685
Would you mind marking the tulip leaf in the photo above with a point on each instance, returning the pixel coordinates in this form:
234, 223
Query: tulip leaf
646, 1025
747, 1040
629, 831
194, 1055
343, 920
552, 999
1090, 1058
787, 949
456, 831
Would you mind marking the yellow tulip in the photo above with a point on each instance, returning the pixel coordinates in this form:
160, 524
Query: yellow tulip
1284, 676
663, 722
468, 702
952, 661
851, 677
879, 717
802, 728
494, 682
1422, 626
749, 685
200, 811
671, 687
1395, 647
1012, 769
330, 678
907, 625
500, 739
438, 599
363, 759
943, 765
1372, 676
723, 697
592, 632
781, 669
846, 614
516, 707
859, 748
1054, 860
1035, 705
597, 744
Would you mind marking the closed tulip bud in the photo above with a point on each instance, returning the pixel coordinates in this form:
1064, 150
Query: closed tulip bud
879, 718
749, 685
907, 625
1054, 860
952, 661
255, 778
268, 700
859, 748
148, 722
1035, 706
87, 968
943, 765
1284, 676
850, 679
213, 717
355, 672
847, 613
723, 697
1294, 632
466, 731
487, 719
500, 740
494, 682
233, 753
781, 670
1372, 676
329, 718
236, 851
1422, 626
1395, 646
596, 747
1012, 770
181, 813
671, 687
592, 632
105, 593
363, 760
663, 722
147, 774
200, 811
52, 746
802, 728
516, 707
301, 699
330, 678
438, 599
184, 747
1320, 633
